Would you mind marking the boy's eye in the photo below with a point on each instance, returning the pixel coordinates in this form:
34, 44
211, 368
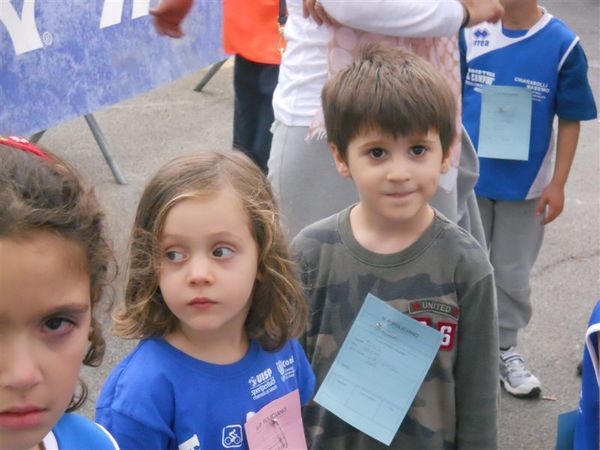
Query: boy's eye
222, 252
377, 152
418, 150
57, 325
174, 256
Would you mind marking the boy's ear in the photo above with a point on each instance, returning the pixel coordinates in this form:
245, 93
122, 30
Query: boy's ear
340, 164
445, 163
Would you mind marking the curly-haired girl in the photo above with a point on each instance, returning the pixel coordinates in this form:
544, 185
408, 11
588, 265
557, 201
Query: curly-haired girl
54, 262
212, 293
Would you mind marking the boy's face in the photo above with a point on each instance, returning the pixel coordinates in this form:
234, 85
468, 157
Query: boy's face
395, 177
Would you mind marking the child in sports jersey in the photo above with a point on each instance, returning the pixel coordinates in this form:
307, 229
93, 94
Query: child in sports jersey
390, 119
528, 49
54, 261
212, 293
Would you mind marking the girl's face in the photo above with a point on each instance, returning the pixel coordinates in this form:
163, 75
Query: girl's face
44, 326
208, 264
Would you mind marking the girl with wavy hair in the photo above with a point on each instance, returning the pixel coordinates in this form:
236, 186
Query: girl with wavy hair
213, 296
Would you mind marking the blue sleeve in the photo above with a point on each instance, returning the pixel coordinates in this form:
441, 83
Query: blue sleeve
136, 405
574, 97
306, 376
462, 46
131, 434
587, 429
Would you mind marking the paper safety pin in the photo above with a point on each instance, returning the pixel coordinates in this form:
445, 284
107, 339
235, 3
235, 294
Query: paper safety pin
381, 327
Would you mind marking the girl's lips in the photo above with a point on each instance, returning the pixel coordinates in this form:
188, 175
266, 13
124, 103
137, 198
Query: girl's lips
202, 303
19, 418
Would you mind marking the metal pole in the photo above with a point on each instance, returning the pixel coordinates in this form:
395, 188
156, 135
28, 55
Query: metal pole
211, 73
101, 140
36, 136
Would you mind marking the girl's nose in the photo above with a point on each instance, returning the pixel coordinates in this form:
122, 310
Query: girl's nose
200, 271
20, 368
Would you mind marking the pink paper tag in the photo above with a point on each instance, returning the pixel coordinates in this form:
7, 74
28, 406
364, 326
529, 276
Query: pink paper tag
278, 425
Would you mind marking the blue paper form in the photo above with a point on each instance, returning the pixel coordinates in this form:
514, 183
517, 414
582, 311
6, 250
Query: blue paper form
379, 369
505, 123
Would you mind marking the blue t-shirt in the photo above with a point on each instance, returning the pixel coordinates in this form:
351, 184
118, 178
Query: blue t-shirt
74, 432
587, 428
546, 59
159, 397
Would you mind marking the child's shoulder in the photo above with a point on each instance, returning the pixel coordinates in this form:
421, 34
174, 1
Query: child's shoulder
148, 364
147, 357
324, 231
74, 432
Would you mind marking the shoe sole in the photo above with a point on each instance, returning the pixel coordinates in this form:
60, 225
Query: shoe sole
533, 393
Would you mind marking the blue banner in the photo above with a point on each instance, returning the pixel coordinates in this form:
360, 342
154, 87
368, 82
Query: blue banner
61, 59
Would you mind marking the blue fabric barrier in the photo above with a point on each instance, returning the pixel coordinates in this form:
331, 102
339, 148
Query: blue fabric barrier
62, 59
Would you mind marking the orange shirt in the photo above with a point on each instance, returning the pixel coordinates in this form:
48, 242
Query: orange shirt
250, 29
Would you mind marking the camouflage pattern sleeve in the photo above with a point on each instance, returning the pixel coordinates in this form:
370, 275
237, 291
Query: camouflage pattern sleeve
476, 367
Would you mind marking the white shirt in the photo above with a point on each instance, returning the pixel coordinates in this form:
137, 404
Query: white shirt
303, 69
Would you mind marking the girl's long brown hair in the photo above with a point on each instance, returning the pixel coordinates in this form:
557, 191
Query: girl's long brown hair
49, 195
278, 309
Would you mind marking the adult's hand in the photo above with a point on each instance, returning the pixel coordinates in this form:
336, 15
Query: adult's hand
168, 16
314, 9
483, 11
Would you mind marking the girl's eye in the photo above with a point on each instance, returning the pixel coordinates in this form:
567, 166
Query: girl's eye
174, 256
377, 153
222, 252
418, 150
57, 325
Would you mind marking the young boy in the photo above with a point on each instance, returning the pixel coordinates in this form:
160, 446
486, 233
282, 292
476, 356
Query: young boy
529, 49
390, 120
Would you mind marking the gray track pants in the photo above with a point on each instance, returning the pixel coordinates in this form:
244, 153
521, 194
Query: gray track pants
514, 237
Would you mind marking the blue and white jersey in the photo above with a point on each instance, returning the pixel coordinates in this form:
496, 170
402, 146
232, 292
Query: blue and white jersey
546, 59
159, 397
587, 429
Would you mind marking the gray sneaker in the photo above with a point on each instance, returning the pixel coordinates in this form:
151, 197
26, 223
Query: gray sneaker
515, 378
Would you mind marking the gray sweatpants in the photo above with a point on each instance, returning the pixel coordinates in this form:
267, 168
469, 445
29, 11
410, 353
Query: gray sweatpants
514, 237
306, 182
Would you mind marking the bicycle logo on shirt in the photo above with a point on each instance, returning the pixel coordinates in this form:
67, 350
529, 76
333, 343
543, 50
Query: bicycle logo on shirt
232, 436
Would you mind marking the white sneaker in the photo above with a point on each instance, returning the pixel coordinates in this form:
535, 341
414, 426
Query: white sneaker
515, 378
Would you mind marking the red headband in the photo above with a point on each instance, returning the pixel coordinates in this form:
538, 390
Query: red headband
23, 144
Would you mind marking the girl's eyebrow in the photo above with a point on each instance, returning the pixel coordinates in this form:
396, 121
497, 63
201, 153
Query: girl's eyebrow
68, 309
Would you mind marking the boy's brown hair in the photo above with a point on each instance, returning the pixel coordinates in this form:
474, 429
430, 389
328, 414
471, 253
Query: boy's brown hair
278, 309
388, 89
40, 195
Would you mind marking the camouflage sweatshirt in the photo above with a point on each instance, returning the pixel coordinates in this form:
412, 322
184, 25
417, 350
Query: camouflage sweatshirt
445, 280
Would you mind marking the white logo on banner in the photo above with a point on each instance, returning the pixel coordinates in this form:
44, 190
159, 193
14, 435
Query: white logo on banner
22, 30
112, 12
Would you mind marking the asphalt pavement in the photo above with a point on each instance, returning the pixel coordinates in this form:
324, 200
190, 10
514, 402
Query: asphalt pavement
150, 129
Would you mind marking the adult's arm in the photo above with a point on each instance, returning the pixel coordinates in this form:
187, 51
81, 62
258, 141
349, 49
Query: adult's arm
410, 18
168, 16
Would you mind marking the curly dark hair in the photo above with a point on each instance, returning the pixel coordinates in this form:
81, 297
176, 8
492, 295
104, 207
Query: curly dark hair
39, 194
278, 310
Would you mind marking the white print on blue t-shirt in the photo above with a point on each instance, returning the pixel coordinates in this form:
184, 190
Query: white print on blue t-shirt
285, 367
191, 444
232, 436
262, 384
